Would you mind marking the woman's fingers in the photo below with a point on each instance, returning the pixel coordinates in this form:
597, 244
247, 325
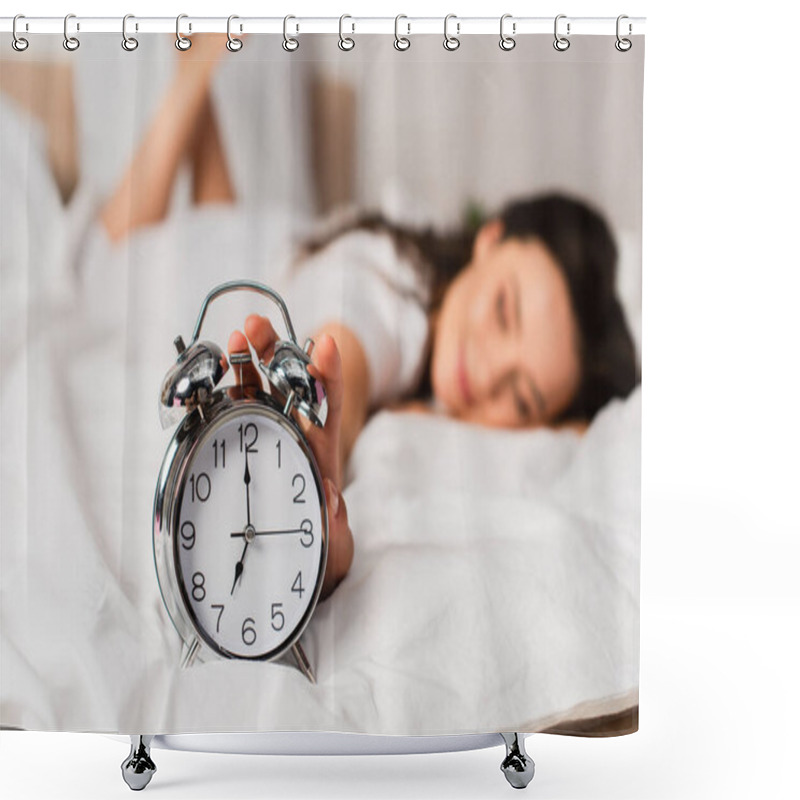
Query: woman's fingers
326, 367
340, 539
260, 332
245, 374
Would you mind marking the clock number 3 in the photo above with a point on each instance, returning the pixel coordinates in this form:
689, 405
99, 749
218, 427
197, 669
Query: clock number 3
308, 530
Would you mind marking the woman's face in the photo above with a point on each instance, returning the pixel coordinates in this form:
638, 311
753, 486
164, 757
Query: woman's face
505, 340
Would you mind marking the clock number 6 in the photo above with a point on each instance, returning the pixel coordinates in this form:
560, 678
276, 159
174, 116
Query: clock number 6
248, 631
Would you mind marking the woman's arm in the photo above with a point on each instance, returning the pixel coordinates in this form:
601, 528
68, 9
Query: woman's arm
144, 192
355, 377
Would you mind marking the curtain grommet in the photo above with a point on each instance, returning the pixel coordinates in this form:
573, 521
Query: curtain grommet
623, 44
71, 43
401, 43
129, 43
451, 43
290, 43
182, 43
19, 43
346, 43
561, 43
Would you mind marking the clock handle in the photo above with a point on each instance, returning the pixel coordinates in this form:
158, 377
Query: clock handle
246, 285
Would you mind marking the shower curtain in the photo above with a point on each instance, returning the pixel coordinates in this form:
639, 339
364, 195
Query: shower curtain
458, 229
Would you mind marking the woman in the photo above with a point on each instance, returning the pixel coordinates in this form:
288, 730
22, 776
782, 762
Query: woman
516, 324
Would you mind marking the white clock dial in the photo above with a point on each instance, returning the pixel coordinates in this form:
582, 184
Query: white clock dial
249, 535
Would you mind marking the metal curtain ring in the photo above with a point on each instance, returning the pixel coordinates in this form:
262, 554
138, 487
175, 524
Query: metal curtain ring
129, 43
401, 42
290, 43
561, 43
71, 43
233, 44
182, 42
18, 42
451, 42
346, 42
507, 42
623, 45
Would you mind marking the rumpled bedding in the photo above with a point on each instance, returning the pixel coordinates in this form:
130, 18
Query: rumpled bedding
495, 584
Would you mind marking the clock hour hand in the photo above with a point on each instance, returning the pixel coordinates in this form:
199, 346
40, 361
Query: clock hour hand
239, 566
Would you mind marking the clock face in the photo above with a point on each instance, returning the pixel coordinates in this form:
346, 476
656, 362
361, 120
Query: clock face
249, 535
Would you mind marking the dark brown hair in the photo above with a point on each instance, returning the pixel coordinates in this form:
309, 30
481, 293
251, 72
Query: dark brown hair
581, 242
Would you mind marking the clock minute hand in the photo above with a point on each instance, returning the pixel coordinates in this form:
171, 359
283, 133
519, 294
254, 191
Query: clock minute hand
247, 483
271, 533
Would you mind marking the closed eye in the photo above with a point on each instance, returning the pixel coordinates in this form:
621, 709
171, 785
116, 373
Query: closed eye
500, 305
523, 409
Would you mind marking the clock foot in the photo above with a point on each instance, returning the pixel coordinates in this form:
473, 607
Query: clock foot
303, 663
517, 766
138, 768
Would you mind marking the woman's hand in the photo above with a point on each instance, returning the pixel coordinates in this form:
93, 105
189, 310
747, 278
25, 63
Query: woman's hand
325, 442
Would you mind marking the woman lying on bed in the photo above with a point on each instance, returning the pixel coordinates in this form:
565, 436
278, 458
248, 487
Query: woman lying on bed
516, 324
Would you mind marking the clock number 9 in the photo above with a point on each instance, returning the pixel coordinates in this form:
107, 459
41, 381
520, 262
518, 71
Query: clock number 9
308, 530
248, 631
187, 534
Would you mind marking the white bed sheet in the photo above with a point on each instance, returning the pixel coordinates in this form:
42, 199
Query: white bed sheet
495, 581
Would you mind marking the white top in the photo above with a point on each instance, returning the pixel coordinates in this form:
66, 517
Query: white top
360, 280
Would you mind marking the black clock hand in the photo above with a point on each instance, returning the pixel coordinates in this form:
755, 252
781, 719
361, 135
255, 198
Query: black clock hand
239, 567
270, 533
240, 563
247, 484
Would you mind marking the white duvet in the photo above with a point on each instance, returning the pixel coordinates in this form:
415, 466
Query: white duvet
495, 580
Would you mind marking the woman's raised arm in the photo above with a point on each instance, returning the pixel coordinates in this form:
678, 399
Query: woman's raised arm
143, 194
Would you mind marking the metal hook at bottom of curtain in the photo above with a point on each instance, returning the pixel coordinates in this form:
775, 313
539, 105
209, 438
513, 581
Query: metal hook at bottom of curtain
19, 43
129, 43
71, 43
623, 45
182, 42
233, 44
561, 43
451, 42
507, 42
401, 42
290, 43
346, 42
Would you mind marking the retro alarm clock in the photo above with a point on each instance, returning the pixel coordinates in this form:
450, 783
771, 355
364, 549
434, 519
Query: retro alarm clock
240, 529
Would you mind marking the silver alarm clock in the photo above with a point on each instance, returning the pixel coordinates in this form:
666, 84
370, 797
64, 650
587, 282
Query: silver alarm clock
240, 528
